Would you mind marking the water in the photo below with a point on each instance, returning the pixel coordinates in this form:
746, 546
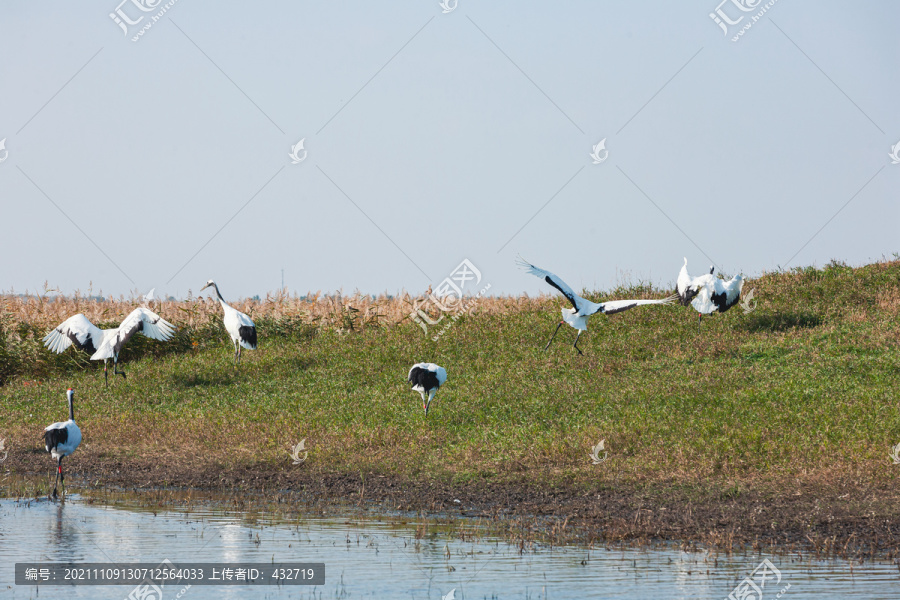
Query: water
369, 558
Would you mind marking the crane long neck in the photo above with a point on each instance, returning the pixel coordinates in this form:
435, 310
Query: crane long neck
71, 410
218, 293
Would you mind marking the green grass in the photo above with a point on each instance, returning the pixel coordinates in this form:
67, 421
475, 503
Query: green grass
804, 386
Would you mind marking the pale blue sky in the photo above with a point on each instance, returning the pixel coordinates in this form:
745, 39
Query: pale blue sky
450, 131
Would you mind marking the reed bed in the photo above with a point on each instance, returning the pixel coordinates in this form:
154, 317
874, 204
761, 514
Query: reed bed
340, 311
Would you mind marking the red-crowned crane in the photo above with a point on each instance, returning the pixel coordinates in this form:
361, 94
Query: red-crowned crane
688, 287
426, 378
707, 293
238, 325
61, 439
76, 330
104, 344
582, 308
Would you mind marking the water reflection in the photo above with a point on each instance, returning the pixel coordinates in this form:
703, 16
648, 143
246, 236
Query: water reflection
387, 559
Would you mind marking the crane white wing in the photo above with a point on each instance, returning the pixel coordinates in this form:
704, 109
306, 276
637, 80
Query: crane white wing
153, 326
235, 318
727, 293
244, 320
553, 280
438, 371
688, 287
76, 329
60, 425
717, 295
615, 306
62, 439
140, 320
703, 303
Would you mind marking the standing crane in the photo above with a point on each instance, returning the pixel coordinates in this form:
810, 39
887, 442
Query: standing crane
238, 325
61, 439
582, 308
426, 378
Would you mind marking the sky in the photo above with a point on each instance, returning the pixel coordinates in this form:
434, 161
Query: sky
434, 134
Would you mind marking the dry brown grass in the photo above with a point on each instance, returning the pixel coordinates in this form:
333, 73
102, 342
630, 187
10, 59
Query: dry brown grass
339, 311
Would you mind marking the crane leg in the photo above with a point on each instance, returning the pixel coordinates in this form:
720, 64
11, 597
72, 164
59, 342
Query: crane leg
698, 322
116, 370
428, 403
58, 473
575, 345
553, 336
106, 372
236, 346
240, 349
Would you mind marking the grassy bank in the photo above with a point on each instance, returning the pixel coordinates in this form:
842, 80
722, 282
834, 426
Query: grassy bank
798, 398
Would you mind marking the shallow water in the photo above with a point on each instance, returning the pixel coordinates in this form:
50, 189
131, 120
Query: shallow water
370, 558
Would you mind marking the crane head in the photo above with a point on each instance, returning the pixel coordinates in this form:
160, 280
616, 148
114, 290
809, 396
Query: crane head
208, 283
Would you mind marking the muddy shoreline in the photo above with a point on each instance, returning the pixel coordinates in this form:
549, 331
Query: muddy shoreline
834, 519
